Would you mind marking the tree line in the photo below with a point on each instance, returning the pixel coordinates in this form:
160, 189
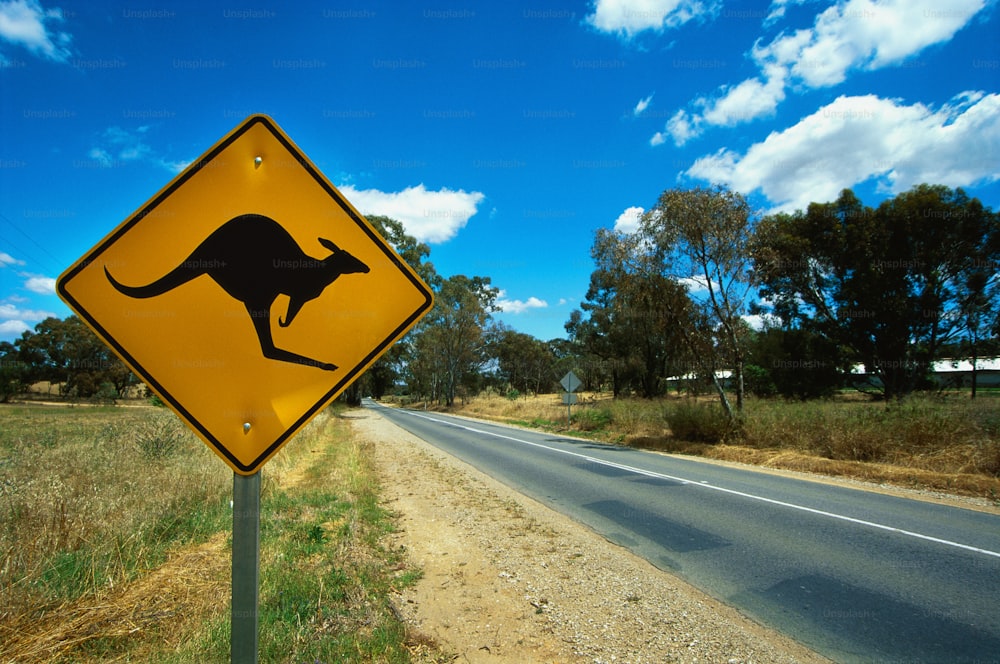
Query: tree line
894, 288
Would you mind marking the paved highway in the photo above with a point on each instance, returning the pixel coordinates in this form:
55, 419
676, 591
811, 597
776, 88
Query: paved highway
855, 575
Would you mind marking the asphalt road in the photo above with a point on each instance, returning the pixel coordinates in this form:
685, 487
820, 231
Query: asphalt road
855, 575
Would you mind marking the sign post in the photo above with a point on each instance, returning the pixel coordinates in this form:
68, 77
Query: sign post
246, 568
570, 383
248, 293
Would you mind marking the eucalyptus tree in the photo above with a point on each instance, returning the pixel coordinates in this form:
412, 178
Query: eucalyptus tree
701, 238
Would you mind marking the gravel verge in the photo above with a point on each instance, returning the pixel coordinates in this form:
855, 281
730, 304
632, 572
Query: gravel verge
506, 579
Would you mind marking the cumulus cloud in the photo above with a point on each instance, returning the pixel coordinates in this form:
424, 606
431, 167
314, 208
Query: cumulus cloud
852, 35
14, 321
27, 24
518, 306
855, 138
628, 221
13, 328
40, 285
429, 216
628, 18
682, 126
753, 98
865, 34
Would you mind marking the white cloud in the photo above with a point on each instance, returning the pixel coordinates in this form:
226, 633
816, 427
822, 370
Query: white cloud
27, 24
628, 221
119, 146
41, 285
777, 10
7, 259
682, 126
853, 139
175, 166
735, 105
865, 34
643, 104
697, 284
13, 328
102, 156
862, 35
13, 319
429, 216
758, 322
746, 101
630, 17
518, 306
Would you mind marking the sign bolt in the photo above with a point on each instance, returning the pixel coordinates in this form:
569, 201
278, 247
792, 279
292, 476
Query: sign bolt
257, 162
246, 427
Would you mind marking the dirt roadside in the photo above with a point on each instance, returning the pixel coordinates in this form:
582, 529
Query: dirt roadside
509, 580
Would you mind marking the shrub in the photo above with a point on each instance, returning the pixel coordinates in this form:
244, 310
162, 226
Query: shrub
699, 422
592, 419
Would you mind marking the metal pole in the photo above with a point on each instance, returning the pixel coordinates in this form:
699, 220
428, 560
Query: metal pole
246, 568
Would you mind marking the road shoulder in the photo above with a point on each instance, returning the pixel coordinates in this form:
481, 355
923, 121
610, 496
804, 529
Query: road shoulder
507, 579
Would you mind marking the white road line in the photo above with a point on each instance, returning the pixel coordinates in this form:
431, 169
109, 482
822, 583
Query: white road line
742, 494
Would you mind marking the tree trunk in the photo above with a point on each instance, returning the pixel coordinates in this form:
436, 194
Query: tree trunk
739, 386
975, 370
722, 397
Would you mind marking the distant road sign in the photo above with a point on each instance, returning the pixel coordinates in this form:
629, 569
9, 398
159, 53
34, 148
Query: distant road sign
569, 398
248, 293
570, 382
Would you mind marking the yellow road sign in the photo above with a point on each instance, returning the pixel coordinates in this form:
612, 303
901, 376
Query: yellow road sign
248, 291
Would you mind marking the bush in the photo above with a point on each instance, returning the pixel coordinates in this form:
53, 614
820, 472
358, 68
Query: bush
699, 422
591, 419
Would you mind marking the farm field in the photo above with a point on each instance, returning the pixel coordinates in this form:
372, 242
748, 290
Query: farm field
944, 442
115, 539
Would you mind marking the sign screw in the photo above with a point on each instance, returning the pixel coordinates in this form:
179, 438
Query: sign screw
257, 162
246, 427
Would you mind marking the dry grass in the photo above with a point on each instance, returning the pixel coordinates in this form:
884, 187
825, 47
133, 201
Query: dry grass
158, 609
949, 443
85, 497
148, 581
92, 499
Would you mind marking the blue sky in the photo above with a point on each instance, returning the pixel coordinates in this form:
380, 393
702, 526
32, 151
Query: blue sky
503, 134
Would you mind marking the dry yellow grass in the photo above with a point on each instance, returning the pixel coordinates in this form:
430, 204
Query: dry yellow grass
155, 610
81, 485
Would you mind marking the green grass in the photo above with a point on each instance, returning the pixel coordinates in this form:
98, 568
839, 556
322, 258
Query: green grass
326, 574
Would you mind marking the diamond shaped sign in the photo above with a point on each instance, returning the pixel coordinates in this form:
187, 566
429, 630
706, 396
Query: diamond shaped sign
570, 382
247, 293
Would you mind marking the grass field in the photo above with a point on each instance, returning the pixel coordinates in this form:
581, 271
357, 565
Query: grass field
115, 532
942, 442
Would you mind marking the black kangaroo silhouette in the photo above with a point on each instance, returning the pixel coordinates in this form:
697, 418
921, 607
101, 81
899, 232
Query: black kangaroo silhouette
254, 260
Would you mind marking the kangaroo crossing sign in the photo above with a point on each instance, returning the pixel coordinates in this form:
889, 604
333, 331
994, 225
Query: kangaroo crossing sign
247, 293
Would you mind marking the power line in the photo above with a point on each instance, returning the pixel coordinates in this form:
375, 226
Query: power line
20, 249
